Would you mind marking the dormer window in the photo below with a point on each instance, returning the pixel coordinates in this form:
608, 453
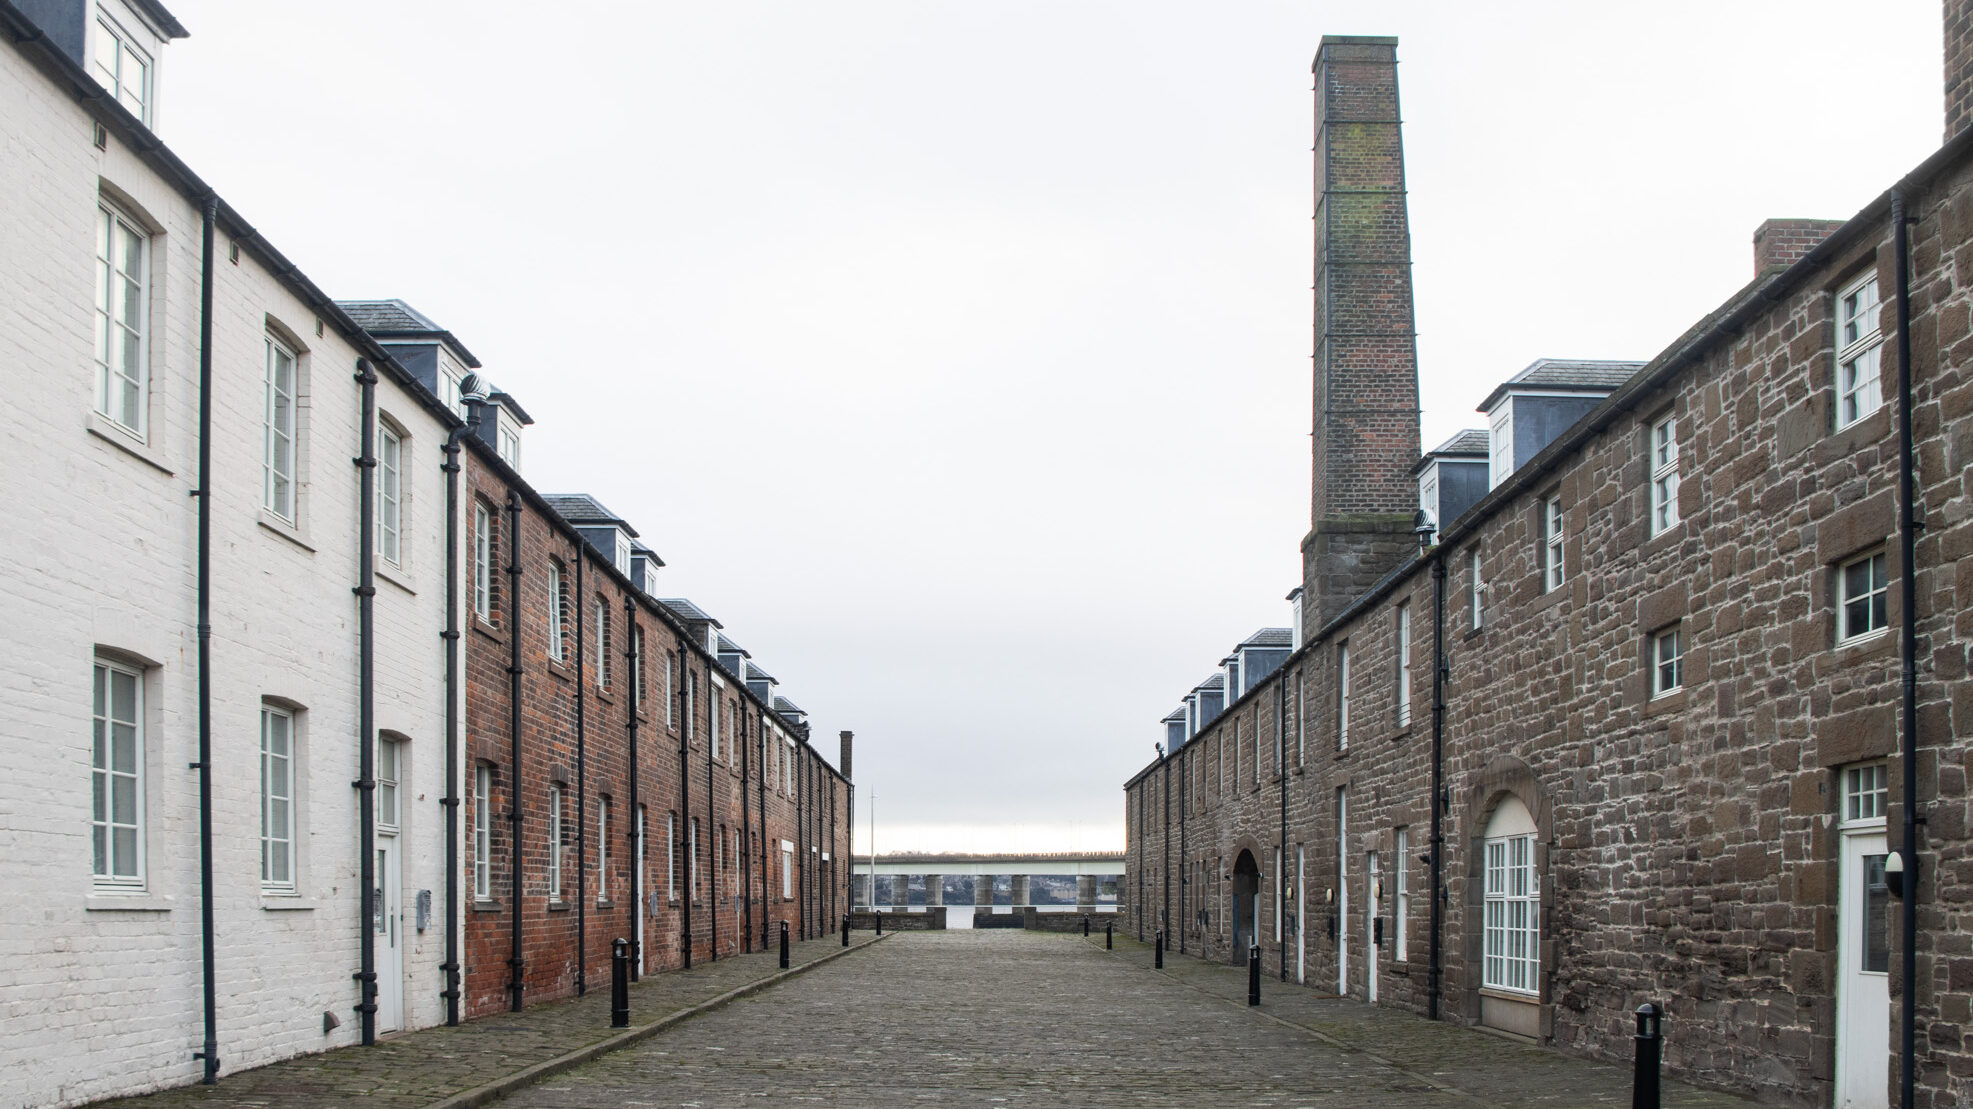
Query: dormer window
622, 557
1428, 492
121, 67
1500, 443
510, 446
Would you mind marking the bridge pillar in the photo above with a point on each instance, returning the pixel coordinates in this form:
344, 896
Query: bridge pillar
934, 890
900, 892
1086, 892
1020, 882
983, 891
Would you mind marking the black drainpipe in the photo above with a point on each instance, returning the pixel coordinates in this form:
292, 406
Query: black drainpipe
1164, 920
712, 829
516, 963
366, 774
204, 493
1184, 848
1908, 566
746, 835
635, 659
1439, 671
1281, 857
581, 794
801, 837
452, 648
685, 790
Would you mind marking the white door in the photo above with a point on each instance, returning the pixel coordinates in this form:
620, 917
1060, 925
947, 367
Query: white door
1863, 995
388, 923
640, 911
1301, 930
1370, 872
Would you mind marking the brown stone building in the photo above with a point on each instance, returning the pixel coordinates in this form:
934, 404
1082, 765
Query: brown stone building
628, 772
1631, 727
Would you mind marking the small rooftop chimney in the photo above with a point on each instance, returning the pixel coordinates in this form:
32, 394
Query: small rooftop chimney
1783, 242
842, 760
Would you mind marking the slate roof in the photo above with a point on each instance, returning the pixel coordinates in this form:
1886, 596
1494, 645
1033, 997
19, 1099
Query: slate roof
756, 674
1473, 440
1568, 375
1270, 637
581, 508
166, 22
785, 706
1213, 684
394, 319
637, 548
728, 647
1176, 716
688, 612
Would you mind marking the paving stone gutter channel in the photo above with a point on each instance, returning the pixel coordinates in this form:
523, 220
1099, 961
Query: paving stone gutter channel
383, 1076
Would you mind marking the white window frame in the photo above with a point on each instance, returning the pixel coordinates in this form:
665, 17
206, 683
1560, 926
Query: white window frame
1500, 444
692, 850
1404, 663
788, 769
390, 494
277, 799
1476, 588
787, 870
1301, 717
1512, 922
637, 693
555, 792
482, 561
671, 856
712, 709
671, 710
389, 774
279, 438
1343, 695
1664, 474
107, 775
112, 74
603, 849
510, 446
1428, 493
1874, 598
1554, 541
1667, 661
603, 669
1865, 790
558, 620
1401, 895
1860, 342
123, 383
482, 832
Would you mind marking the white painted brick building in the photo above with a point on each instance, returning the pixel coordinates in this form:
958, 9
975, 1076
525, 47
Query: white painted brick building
102, 987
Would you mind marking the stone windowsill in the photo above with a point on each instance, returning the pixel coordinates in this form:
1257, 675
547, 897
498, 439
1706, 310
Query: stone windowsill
1673, 701
555, 906
487, 906
274, 525
109, 431
561, 670
105, 901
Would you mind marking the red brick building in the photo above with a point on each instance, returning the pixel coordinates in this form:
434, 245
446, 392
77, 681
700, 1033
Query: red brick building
1632, 727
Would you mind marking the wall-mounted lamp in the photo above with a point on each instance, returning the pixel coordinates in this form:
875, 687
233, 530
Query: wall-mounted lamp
1377, 889
1329, 895
1894, 874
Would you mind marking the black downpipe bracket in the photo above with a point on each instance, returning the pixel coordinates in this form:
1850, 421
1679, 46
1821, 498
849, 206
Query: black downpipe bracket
210, 1053
581, 783
450, 802
685, 789
634, 658
1908, 594
366, 706
746, 835
1439, 671
516, 962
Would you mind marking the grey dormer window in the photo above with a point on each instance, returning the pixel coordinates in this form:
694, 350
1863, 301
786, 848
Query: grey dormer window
123, 69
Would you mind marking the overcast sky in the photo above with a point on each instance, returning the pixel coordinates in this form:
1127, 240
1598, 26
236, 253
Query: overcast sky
955, 355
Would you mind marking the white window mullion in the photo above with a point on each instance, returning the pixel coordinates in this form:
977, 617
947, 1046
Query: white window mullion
117, 822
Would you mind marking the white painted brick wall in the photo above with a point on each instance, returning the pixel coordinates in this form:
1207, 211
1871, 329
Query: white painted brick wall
99, 548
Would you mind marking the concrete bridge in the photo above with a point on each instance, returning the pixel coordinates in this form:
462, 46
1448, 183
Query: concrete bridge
1093, 871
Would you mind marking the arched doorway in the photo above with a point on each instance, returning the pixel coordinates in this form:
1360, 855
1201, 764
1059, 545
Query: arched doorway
1511, 919
1246, 906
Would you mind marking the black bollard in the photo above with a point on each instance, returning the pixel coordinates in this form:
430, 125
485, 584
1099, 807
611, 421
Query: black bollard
1650, 1047
1158, 956
880, 920
1254, 975
1085, 927
845, 929
619, 983
784, 945
1109, 935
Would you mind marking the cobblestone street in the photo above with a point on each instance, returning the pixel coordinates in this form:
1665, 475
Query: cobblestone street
1015, 1018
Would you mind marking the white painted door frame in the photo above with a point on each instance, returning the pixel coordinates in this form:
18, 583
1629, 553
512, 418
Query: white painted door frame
1863, 996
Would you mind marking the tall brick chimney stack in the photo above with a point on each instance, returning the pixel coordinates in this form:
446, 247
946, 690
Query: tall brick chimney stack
1366, 351
1959, 66
842, 759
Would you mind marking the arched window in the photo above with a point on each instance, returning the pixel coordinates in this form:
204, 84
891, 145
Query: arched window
1513, 901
